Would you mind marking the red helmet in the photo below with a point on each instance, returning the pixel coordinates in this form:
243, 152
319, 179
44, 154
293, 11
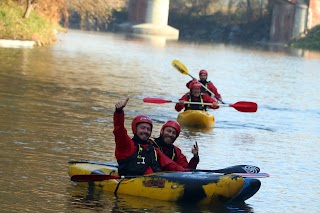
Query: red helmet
140, 119
195, 84
203, 72
173, 124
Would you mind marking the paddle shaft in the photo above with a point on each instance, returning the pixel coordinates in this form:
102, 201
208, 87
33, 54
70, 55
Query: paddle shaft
199, 103
164, 101
183, 69
241, 106
206, 88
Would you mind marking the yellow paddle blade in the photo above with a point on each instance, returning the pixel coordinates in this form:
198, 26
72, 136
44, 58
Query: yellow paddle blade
180, 67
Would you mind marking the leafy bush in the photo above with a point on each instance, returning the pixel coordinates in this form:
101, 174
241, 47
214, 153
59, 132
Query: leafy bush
311, 41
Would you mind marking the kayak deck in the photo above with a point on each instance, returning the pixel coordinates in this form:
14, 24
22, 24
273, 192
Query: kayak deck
196, 118
193, 187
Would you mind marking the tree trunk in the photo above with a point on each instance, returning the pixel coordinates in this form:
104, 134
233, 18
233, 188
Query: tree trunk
66, 16
229, 10
249, 12
28, 9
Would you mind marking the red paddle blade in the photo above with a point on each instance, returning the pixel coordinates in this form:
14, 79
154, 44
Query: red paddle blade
86, 178
245, 106
156, 100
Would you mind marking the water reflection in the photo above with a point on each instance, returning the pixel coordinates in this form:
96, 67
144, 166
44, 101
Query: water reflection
193, 131
82, 199
158, 41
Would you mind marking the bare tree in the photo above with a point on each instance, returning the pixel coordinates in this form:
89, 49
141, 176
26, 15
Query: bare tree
29, 8
95, 12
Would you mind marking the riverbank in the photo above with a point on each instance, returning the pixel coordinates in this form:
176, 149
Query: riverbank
15, 29
16, 43
41, 30
310, 41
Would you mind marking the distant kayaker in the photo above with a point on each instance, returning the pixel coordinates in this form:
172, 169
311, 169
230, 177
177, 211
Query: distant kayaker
203, 75
195, 95
137, 155
168, 134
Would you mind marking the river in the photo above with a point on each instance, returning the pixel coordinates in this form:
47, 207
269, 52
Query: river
57, 104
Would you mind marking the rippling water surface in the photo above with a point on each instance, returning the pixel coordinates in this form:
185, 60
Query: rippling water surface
57, 103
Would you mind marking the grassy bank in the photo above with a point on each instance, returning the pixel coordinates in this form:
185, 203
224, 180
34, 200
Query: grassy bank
14, 27
311, 41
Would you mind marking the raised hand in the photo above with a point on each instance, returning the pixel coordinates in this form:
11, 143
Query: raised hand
121, 104
195, 150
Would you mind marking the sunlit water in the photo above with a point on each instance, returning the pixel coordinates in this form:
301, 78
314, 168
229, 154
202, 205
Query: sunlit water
57, 104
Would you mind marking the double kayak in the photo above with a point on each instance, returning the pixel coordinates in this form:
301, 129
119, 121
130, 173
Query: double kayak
196, 118
193, 187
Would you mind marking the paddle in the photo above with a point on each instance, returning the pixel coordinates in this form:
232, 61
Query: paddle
233, 169
183, 69
102, 177
241, 106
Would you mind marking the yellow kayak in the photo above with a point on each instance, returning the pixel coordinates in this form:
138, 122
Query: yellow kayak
196, 118
192, 187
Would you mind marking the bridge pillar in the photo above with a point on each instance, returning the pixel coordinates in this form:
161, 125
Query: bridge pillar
150, 17
157, 12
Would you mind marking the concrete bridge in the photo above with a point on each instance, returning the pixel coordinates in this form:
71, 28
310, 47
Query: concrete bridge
290, 18
149, 17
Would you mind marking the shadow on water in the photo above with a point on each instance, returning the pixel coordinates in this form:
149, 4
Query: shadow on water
82, 198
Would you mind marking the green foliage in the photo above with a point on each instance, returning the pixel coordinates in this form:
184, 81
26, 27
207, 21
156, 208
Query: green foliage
311, 41
13, 26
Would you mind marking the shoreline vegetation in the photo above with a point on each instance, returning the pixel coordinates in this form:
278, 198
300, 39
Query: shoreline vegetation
311, 41
35, 28
42, 28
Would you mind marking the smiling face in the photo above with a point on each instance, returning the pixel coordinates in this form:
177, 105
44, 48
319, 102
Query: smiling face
169, 135
144, 131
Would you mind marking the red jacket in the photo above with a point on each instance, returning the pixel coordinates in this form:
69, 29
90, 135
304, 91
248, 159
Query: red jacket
125, 146
205, 97
182, 160
179, 158
210, 86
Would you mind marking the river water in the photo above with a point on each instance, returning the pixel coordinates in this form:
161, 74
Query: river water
57, 104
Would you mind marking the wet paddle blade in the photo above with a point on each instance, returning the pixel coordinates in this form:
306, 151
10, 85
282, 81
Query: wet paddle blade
180, 67
245, 106
236, 169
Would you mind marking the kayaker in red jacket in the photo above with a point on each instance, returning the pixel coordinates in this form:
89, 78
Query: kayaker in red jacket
168, 134
203, 75
137, 155
195, 95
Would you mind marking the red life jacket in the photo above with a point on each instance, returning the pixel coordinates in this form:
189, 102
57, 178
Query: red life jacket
139, 161
195, 106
